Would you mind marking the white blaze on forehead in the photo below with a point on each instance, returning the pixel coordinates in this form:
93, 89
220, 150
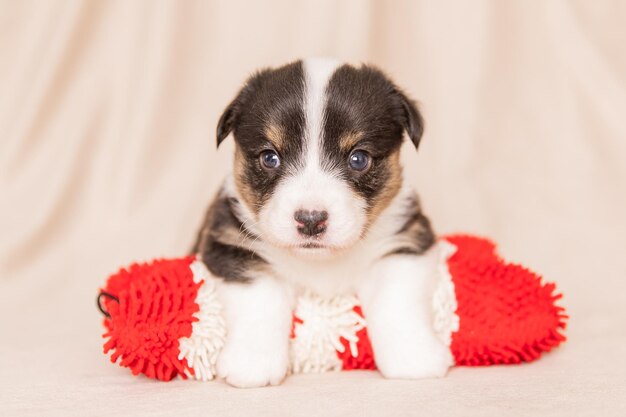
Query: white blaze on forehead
317, 74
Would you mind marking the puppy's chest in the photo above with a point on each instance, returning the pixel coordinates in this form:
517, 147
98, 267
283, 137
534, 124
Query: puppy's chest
325, 277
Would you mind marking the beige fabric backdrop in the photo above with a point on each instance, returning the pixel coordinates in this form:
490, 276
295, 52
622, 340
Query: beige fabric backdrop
107, 118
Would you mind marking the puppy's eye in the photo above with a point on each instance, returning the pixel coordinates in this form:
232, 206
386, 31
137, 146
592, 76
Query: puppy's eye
359, 161
269, 159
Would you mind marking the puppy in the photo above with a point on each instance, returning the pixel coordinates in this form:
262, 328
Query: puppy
316, 201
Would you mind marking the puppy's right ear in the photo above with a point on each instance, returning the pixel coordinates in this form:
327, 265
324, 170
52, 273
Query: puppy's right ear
227, 121
231, 114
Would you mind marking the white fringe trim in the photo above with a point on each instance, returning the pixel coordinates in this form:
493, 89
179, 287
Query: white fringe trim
202, 348
317, 339
445, 319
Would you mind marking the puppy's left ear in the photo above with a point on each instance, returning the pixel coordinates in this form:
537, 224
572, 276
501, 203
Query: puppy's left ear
412, 120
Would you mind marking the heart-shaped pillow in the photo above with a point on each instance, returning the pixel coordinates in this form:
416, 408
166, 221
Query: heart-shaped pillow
164, 318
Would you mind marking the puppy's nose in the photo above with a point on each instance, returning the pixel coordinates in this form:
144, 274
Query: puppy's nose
311, 223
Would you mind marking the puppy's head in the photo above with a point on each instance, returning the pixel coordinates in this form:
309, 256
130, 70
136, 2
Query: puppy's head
317, 151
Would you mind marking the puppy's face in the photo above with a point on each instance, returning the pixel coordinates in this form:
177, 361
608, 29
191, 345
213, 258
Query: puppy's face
317, 151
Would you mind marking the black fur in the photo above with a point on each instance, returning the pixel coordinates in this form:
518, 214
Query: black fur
364, 100
223, 242
416, 233
269, 97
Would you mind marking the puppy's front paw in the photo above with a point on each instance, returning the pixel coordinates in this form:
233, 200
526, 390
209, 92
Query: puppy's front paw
249, 366
426, 359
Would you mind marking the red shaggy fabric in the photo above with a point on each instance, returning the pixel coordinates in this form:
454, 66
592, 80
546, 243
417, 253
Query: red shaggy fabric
155, 309
507, 315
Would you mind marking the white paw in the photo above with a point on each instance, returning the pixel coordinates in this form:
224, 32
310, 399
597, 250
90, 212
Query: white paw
428, 359
249, 366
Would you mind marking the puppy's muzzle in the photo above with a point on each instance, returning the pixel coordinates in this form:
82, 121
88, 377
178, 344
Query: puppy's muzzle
311, 223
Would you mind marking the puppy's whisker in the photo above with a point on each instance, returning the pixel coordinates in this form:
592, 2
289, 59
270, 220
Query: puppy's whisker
245, 233
244, 227
251, 245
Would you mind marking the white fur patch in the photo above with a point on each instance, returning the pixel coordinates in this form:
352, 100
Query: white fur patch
317, 74
341, 273
258, 319
397, 301
313, 189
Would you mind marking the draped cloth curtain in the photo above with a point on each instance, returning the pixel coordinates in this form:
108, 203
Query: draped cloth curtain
107, 155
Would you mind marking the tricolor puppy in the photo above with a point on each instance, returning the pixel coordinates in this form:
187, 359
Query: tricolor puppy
317, 203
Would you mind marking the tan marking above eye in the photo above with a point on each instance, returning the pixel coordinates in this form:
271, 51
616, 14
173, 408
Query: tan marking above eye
348, 140
275, 134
